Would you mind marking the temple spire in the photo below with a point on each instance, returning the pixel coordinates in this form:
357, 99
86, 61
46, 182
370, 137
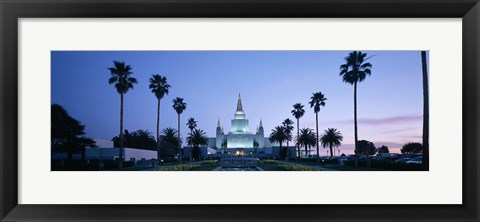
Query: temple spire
239, 104
218, 123
261, 125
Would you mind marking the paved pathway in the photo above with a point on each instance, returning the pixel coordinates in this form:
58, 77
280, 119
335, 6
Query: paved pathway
311, 166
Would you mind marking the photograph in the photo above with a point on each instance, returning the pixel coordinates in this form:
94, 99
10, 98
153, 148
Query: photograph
240, 110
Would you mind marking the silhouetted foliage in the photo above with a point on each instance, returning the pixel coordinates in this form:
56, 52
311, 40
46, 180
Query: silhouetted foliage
316, 101
120, 76
160, 88
383, 149
255, 144
288, 124
140, 139
307, 139
191, 124
197, 138
169, 144
179, 106
412, 148
366, 147
279, 135
331, 138
298, 112
67, 133
353, 71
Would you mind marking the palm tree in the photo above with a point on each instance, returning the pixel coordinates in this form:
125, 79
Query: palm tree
298, 112
160, 88
332, 138
179, 107
196, 138
306, 139
278, 135
353, 71
288, 124
425, 152
191, 124
144, 139
120, 76
316, 101
169, 140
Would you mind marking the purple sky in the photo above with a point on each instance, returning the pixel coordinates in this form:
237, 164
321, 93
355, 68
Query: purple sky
270, 82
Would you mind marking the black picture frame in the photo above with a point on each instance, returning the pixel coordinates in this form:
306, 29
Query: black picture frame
11, 11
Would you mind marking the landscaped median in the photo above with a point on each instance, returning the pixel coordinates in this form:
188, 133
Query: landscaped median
274, 165
205, 165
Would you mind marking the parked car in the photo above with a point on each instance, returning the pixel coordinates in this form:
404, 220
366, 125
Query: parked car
416, 160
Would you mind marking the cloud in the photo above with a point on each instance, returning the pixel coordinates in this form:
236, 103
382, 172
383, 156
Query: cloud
382, 121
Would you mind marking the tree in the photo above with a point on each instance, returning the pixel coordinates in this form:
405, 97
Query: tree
425, 151
197, 138
67, 133
307, 139
288, 124
191, 124
169, 142
331, 138
121, 77
355, 70
159, 87
316, 101
298, 112
412, 148
141, 139
279, 136
255, 144
366, 147
83, 142
383, 149
179, 107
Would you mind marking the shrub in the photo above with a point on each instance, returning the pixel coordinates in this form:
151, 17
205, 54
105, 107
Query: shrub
270, 161
296, 167
180, 167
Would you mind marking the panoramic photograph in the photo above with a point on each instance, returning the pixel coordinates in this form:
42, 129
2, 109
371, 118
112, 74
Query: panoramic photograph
279, 110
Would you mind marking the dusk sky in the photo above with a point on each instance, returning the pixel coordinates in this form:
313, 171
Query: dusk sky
389, 101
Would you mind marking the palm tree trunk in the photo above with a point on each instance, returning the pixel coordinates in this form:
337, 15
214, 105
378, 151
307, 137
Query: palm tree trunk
316, 120
191, 151
288, 153
158, 131
425, 151
331, 150
120, 151
179, 143
298, 134
355, 121
281, 151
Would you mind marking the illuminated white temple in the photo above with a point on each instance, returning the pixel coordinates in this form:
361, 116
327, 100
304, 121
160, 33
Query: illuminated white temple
239, 135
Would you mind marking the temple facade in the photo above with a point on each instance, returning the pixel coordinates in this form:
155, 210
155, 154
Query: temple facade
239, 135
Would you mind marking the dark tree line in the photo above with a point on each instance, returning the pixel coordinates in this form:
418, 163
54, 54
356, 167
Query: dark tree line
140, 139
